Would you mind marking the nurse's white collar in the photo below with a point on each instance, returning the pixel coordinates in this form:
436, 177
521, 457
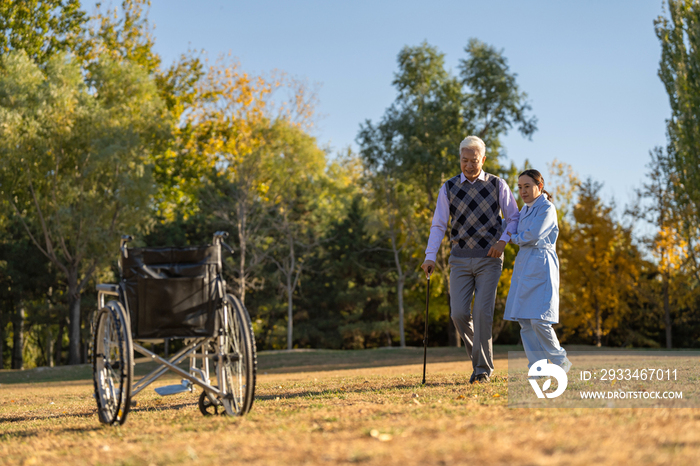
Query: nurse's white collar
530, 204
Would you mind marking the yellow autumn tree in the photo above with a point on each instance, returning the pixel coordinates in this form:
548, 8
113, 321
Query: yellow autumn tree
669, 250
599, 268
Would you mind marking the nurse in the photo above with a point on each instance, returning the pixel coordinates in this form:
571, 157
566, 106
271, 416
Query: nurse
533, 299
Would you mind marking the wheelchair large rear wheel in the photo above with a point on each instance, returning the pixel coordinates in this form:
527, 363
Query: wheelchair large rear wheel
112, 363
237, 360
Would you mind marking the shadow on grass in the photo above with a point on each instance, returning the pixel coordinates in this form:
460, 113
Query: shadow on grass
35, 417
97, 426
495, 380
274, 362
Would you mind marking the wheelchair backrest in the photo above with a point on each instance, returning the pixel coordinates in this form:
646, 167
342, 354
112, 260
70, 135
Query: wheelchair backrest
172, 292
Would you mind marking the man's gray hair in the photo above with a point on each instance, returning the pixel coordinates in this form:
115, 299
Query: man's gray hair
475, 143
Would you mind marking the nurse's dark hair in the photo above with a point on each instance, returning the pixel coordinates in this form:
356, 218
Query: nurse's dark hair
537, 177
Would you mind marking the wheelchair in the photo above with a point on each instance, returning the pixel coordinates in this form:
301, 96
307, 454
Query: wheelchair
165, 294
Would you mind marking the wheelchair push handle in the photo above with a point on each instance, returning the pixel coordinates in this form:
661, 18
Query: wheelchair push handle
122, 244
219, 238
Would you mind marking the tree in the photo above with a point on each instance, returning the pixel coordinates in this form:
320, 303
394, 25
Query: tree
673, 265
346, 294
416, 142
75, 154
599, 267
679, 70
123, 34
26, 280
296, 205
42, 28
493, 101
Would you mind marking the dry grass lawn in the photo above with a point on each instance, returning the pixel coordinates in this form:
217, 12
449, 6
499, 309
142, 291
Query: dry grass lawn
325, 407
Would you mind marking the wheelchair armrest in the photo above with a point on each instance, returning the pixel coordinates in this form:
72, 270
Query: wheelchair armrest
108, 288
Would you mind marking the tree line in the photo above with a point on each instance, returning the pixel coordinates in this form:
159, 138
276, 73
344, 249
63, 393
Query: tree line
100, 138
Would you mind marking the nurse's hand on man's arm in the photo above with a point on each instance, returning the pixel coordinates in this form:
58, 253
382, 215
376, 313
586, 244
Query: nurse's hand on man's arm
428, 267
497, 249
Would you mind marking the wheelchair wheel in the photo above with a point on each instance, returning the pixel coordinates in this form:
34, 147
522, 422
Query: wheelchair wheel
237, 359
112, 363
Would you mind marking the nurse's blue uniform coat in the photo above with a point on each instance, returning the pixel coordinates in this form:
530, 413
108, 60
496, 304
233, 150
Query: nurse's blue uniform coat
534, 288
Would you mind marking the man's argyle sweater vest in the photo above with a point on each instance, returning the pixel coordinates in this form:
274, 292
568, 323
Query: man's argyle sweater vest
475, 212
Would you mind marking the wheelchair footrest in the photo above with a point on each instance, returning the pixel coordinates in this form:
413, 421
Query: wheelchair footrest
185, 386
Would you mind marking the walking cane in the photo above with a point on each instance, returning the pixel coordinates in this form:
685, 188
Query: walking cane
425, 334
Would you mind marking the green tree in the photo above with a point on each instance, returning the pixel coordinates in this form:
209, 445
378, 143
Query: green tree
672, 288
414, 147
600, 268
42, 28
346, 296
296, 199
679, 70
493, 102
26, 279
74, 164
122, 33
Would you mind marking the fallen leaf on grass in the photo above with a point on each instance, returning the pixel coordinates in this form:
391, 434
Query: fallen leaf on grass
496, 395
381, 437
460, 397
416, 402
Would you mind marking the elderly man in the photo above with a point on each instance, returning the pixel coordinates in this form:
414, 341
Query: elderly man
474, 199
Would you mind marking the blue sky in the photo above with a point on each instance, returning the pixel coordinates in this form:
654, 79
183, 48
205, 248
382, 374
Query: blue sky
589, 68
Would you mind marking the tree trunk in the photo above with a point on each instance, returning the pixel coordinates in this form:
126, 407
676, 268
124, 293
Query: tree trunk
49, 347
59, 343
18, 339
399, 291
598, 330
290, 321
242, 220
399, 286
2, 341
290, 291
73, 324
667, 313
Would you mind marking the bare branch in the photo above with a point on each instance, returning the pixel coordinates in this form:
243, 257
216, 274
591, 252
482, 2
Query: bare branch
51, 257
87, 276
64, 248
44, 229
